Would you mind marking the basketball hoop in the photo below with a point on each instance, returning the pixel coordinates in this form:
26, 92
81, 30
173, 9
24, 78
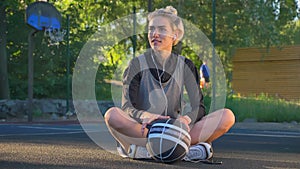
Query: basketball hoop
55, 35
43, 16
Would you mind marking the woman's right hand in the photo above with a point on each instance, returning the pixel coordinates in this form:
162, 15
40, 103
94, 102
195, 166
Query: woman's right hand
147, 118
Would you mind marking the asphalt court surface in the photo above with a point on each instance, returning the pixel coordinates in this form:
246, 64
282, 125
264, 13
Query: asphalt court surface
68, 146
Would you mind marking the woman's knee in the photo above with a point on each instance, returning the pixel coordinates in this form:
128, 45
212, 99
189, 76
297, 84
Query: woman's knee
228, 119
117, 118
111, 115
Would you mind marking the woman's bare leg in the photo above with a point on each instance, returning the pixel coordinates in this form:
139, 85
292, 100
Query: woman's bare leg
124, 129
212, 126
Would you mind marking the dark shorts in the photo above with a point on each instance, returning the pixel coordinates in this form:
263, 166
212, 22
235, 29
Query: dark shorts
206, 79
148, 127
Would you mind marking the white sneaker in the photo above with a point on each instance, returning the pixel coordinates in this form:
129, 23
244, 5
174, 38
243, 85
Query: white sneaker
138, 152
135, 152
121, 151
198, 152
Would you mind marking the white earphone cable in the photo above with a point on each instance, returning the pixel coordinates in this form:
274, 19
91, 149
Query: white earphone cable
160, 83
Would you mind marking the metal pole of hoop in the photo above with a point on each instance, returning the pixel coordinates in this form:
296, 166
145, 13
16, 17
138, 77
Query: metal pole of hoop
30, 73
134, 31
213, 55
68, 65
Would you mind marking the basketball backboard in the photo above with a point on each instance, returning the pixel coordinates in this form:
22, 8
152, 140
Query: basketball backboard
42, 15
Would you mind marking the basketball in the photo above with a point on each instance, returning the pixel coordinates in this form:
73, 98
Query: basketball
168, 140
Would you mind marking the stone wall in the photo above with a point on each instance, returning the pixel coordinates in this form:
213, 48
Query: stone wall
57, 107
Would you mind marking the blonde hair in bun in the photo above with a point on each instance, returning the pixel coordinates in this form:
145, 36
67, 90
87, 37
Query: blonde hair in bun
171, 13
171, 10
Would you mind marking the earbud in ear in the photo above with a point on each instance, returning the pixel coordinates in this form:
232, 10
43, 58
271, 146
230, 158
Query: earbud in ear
174, 37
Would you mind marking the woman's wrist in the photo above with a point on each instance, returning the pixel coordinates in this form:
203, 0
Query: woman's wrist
187, 119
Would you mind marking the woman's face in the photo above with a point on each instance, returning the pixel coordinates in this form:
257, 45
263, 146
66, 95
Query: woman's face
160, 34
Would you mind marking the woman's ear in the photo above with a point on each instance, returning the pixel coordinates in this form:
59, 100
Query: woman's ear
174, 37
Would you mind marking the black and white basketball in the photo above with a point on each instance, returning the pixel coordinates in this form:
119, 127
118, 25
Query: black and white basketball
168, 140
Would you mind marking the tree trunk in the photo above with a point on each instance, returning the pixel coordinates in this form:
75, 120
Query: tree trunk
4, 86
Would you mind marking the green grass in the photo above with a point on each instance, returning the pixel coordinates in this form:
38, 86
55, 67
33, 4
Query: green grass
264, 109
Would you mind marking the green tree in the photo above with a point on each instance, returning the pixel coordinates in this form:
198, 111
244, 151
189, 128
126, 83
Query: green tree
239, 24
7, 8
4, 85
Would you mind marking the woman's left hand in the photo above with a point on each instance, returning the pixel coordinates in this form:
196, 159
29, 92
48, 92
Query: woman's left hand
185, 120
